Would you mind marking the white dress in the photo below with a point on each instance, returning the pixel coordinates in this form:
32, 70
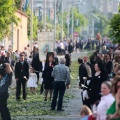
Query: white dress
32, 82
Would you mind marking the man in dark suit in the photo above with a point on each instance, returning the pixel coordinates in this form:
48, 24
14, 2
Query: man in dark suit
21, 76
109, 64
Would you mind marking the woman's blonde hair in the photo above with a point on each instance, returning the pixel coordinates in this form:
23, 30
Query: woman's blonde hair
85, 110
114, 84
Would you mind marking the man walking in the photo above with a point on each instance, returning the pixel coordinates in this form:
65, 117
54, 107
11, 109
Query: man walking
61, 80
21, 76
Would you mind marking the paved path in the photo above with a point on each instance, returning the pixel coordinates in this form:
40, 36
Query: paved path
72, 106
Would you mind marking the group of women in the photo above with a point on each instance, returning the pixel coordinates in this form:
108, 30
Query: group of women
104, 87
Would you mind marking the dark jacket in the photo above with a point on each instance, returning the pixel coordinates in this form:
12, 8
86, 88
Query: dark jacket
109, 67
95, 86
82, 73
8, 81
21, 71
36, 64
47, 78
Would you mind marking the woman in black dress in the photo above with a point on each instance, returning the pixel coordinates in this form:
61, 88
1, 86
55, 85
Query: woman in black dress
47, 78
68, 60
96, 81
70, 48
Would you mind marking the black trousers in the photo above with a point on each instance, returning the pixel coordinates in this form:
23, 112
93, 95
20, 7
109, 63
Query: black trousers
86, 101
37, 73
59, 89
5, 115
19, 83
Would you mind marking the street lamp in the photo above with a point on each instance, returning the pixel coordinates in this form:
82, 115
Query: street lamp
73, 15
31, 24
93, 23
68, 15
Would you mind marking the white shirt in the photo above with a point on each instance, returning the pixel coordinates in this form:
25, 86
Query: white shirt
105, 103
36, 45
62, 45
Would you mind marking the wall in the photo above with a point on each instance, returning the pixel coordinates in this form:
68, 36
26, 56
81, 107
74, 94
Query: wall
20, 38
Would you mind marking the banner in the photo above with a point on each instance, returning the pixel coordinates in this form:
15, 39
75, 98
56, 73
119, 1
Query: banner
51, 14
45, 42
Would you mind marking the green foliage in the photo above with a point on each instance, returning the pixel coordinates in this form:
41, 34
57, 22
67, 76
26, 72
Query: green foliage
48, 25
102, 26
7, 16
18, 4
115, 28
82, 21
35, 24
110, 15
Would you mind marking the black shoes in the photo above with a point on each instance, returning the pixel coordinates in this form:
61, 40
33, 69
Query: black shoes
52, 109
45, 99
60, 110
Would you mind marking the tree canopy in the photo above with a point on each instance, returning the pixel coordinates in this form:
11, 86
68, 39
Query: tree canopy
35, 24
7, 16
103, 25
115, 28
79, 20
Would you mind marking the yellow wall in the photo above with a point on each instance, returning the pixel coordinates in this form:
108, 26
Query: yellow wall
19, 33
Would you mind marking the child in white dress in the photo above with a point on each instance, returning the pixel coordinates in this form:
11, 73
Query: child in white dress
32, 82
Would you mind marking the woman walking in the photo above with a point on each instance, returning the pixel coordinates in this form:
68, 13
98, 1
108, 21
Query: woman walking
47, 78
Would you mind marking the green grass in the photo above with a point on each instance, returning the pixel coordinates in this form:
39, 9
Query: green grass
35, 104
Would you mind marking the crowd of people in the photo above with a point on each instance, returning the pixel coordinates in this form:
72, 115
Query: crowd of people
76, 45
100, 84
26, 67
98, 75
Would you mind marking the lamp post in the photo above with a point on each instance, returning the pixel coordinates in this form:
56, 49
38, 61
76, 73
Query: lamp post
12, 42
93, 23
62, 20
45, 14
74, 3
68, 16
68, 21
31, 24
72, 23
55, 20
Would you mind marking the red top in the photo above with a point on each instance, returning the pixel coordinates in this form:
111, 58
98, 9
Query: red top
91, 118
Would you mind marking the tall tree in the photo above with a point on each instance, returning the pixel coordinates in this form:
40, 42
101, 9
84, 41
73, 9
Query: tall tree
7, 16
18, 4
103, 25
79, 20
115, 27
35, 24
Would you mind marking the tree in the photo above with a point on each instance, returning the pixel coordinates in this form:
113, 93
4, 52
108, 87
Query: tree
103, 25
35, 24
79, 20
18, 4
115, 28
7, 16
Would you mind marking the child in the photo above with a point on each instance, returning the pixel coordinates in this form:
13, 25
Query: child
32, 82
85, 113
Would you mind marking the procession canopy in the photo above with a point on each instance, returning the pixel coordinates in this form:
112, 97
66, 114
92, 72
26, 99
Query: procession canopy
45, 42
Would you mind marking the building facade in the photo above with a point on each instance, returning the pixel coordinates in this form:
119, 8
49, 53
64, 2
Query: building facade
19, 36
